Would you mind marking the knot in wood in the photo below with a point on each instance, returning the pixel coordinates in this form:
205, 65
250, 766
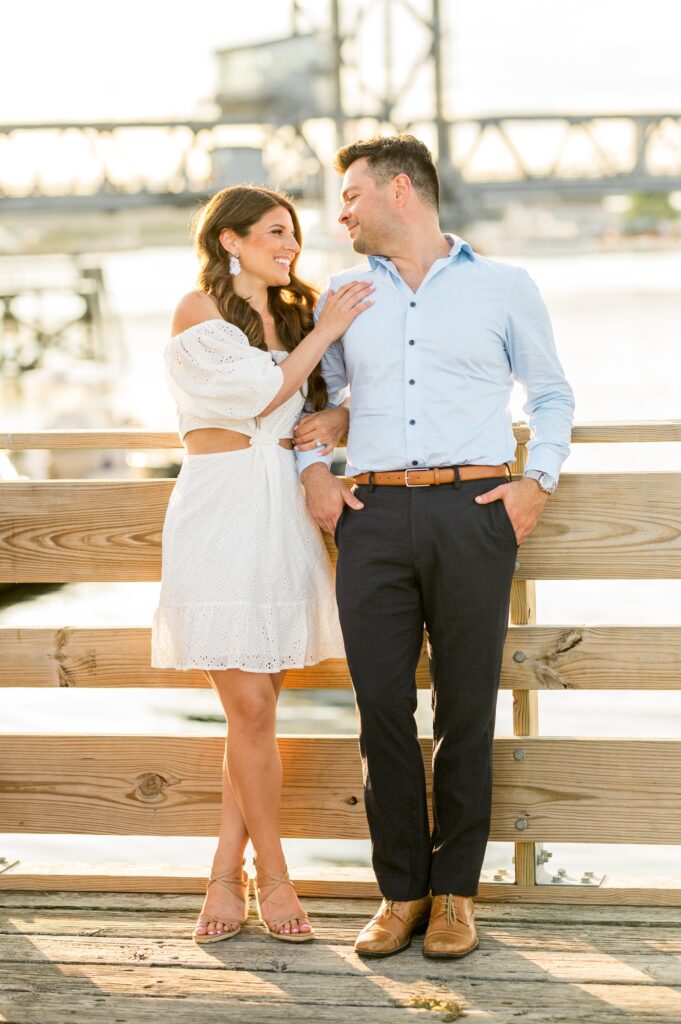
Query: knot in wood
352, 800
151, 786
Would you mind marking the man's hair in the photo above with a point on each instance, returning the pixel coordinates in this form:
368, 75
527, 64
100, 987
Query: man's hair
388, 156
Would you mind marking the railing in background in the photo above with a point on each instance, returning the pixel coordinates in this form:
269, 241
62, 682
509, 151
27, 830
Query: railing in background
546, 789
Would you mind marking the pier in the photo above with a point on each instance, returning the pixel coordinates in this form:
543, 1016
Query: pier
128, 958
113, 943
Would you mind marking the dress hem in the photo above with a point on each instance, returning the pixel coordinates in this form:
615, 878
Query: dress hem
193, 666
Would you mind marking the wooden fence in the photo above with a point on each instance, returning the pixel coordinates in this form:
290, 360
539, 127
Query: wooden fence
546, 789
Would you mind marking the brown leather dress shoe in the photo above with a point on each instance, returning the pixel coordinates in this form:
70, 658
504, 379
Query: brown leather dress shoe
451, 931
392, 926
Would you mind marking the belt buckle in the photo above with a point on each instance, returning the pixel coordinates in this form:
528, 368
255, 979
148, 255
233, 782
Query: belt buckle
406, 478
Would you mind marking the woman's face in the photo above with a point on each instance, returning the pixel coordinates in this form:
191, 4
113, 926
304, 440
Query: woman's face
268, 249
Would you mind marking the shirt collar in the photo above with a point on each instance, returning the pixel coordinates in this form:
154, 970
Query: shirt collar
457, 245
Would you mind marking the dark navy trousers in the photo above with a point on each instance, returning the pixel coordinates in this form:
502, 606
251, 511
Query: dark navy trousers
415, 557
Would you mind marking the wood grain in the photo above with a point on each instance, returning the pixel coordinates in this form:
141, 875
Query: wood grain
525, 700
40, 886
535, 658
132, 960
58, 439
68, 531
611, 432
562, 790
596, 526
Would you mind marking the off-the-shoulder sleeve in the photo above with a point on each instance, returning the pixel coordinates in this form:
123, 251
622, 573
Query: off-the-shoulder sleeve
214, 372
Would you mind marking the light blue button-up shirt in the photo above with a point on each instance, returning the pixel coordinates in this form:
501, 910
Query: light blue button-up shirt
431, 372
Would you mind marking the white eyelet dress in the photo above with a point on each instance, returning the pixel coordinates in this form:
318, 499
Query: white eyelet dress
246, 578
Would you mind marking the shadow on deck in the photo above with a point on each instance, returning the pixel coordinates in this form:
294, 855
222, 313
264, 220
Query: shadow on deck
129, 958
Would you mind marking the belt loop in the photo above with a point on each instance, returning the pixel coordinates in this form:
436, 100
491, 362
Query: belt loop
371, 482
456, 482
510, 474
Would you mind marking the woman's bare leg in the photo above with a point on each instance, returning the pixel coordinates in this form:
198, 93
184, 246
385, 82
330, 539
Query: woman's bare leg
255, 772
251, 794
233, 835
232, 841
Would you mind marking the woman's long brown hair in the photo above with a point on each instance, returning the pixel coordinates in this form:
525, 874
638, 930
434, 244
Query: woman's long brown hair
291, 305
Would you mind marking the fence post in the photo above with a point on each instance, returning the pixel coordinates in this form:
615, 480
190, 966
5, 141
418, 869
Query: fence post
525, 702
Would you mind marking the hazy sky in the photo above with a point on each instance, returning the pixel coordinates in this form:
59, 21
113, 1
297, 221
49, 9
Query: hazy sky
76, 59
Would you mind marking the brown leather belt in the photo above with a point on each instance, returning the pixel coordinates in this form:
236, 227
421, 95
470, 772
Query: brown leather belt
428, 477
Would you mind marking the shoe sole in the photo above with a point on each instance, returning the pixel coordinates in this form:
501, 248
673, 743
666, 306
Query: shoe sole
283, 936
304, 937
451, 956
203, 940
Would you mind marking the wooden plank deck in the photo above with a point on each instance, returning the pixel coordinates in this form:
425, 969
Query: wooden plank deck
128, 958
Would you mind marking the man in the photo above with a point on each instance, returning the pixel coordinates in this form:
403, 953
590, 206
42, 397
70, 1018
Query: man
430, 534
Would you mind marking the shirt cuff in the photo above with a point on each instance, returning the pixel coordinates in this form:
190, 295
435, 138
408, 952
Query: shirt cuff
544, 459
310, 458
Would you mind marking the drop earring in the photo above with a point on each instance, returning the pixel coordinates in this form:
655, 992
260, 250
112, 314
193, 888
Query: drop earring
234, 264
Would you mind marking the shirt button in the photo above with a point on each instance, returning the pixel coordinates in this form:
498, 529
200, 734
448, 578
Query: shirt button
412, 382
412, 422
412, 303
414, 462
411, 342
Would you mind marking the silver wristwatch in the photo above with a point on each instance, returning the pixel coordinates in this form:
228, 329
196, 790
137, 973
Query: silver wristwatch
547, 483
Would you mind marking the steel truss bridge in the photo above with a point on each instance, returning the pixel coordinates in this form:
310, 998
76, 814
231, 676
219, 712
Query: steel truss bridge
332, 83
108, 166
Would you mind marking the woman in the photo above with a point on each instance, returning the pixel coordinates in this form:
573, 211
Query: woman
247, 589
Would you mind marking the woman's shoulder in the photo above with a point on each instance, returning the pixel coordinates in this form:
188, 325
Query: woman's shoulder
198, 312
194, 308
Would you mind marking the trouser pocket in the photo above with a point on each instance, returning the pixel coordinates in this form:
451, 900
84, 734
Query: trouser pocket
506, 519
337, 526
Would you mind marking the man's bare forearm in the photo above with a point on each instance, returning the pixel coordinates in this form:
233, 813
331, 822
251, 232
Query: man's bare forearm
315, 471
325, 495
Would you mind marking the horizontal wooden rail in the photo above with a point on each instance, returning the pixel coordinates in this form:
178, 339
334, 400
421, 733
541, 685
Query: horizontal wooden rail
622, 433
58, 439
317, 881
535, 658
545, 788
589, 433
596, 526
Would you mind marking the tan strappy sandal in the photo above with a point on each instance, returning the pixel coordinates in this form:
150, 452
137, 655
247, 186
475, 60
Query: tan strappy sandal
275, 882
231, 880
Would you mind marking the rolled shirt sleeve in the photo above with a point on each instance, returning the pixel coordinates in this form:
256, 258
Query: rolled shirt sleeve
535, 364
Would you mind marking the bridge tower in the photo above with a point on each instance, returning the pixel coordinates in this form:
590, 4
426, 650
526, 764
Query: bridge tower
360, 67
390, 70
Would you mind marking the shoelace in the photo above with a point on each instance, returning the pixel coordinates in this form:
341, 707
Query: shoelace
449, 908
387, 909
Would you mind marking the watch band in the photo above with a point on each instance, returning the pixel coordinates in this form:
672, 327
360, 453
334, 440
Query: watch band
547, 485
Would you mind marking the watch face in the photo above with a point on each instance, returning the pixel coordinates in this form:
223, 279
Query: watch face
547, 483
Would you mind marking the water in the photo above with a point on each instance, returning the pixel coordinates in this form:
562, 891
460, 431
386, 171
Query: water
616, 317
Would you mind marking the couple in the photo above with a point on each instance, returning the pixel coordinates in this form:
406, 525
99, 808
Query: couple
429, 337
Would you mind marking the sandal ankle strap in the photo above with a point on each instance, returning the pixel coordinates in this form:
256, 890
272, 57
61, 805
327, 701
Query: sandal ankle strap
229, 880
275, 881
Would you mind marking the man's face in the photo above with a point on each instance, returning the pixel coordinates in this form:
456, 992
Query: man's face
366, 211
